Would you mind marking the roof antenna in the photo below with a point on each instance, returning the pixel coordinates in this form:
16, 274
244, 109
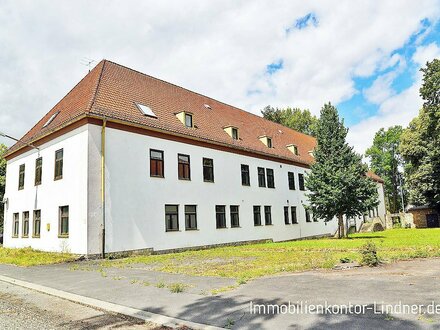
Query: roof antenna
87, 62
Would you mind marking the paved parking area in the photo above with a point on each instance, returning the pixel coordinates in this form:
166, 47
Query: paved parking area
401, 284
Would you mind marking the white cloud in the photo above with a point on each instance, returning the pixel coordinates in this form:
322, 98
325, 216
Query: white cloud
220, 49
398, 109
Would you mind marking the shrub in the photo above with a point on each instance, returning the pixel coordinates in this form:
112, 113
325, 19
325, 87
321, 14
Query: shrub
369, 254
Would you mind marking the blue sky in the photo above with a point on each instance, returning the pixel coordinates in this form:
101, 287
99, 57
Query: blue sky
404, 77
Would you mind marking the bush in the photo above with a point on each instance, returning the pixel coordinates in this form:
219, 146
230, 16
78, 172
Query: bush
369, 254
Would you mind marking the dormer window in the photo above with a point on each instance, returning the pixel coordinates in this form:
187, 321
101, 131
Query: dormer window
235, 133
232, 132
186, 118
266, 140
269, 142
293, 149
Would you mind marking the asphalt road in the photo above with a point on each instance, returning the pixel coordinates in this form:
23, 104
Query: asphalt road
22, 308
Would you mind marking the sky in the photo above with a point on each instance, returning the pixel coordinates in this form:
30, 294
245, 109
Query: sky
362, 56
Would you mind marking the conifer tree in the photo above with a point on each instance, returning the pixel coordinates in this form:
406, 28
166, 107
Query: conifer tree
338, 184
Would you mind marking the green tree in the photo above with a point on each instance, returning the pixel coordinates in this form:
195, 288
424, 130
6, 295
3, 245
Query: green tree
3, 149
295, 118
385, 161
337, 182
420, 143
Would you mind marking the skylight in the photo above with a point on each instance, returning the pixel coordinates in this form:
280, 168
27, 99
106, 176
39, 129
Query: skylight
146, 110
207, 106
51, 119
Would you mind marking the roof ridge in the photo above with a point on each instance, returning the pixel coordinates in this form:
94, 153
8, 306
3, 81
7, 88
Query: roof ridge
208, 97
98, 84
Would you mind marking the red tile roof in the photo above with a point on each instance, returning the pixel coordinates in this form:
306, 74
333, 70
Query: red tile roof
113, 90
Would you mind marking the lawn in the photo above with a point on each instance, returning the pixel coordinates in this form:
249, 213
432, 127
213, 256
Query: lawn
30, 257
251, 261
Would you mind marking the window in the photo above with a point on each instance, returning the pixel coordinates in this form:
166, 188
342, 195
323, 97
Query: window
188, 120
269, 142
293, 214
308, 216
63, 224
291, 179
59, 164
270, 178
208, 170
301, 181
245, 179
235, 218
25, 227
37, 223
267, 215
156, 163
257, 215
146, 110
261, 177
220, 216
190, 217
183, 167
234, 133
286, 215
21, 177
172, 217
15, 225
38, 170
51, 118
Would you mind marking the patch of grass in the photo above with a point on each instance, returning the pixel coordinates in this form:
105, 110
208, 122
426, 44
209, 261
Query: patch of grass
117, 278
177, 287
223, 289
256, 260
30, 257
146, 283
160, 284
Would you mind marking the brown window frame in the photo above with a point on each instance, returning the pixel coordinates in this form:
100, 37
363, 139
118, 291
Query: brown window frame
220, 216
208, 170
270, 178
291, 180
286, 215
36, 223
170, 217
15, 224
301, 182
190, 217
234, 212
268, 215
21, 176
183, 167
293, 215
245, 175
261, 177
25, 225
58, 169
157, 168
257, 215
38, 171
62, 217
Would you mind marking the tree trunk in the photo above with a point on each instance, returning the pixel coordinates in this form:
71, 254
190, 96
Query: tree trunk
340, 226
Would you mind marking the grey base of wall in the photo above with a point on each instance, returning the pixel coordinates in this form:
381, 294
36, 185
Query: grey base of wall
124, 254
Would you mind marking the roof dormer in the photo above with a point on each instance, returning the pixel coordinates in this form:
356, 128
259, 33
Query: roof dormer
186, 118
293, 148
232, 132
267, 141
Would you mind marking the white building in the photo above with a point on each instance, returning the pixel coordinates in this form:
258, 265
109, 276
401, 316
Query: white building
158, 167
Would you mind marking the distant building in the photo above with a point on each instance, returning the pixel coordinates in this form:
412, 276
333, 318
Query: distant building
130, 162
424, 216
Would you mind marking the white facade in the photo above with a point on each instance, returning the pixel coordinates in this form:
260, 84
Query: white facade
135, 202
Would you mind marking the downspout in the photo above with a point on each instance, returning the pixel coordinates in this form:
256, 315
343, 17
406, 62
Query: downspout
104, 123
